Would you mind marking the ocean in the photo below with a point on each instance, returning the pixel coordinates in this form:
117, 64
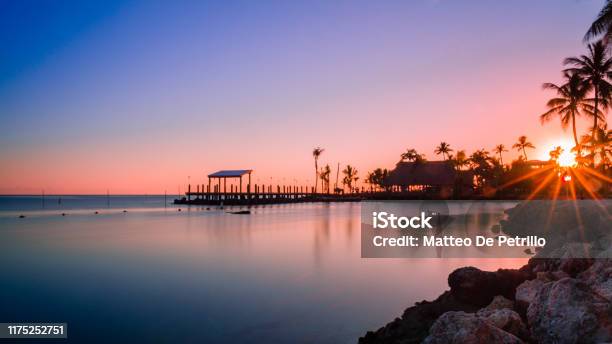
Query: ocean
140, 270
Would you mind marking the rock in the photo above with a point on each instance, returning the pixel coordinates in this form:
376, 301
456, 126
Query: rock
466, 328
414, 324
479, 287
507, 320
599, 278
568, 311
571, 258
500, 302
471, 290
557, 275
526, 293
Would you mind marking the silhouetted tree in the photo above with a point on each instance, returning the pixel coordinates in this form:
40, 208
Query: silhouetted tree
523, 144
461, 160
570, 102
499, 150
595, 69
350, 176
482, 166
555, 153
316, 153
412, 155
602, 26
444, 149
325, 172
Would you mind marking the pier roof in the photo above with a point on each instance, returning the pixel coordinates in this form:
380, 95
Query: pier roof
229, 173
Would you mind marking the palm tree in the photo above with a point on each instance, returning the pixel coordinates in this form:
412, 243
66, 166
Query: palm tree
601, 146
602, 26
605, 146
371, 179
585, 152
522, 144
316, 153
555, 153
377, 178
499, 150
444, 149
412, 156
480, 164
461, 160
594, 68
325, 172
569, 103
350, 176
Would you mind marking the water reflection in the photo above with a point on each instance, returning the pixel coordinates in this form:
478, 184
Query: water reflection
285, 273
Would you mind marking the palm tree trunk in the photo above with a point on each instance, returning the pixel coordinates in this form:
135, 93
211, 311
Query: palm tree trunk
595, 114
525, 153
316, 175
574, 129
594, 124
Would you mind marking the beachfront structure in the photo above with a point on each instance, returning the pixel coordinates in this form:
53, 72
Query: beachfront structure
439, 177
232, 174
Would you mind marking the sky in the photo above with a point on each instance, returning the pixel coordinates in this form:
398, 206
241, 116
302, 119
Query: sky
140, 97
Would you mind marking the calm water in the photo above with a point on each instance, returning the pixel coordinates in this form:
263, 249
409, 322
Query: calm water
284, 274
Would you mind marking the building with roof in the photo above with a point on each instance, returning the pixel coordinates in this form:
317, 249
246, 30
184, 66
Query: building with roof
437, 177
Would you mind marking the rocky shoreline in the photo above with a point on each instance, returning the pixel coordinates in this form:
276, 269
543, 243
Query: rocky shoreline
562, 295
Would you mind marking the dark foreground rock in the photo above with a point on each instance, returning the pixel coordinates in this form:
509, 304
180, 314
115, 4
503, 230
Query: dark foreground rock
534, 307
461, 327
569, 311
477, 287
471, 290
414, 324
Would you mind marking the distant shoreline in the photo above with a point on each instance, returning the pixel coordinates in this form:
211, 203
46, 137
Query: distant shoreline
340, 199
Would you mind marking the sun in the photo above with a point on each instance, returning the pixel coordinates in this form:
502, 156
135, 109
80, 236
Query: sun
567, 158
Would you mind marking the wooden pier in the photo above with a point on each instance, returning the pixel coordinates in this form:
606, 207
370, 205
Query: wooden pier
262, 194
218, 193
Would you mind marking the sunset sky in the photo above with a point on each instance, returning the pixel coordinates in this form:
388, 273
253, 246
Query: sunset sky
135, 96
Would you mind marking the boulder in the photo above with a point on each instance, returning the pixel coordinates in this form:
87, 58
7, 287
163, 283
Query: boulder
568, 311
527, 291
500, 302
479, 287
471, 290
599, 278
507, 320
414, 324
469, 328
